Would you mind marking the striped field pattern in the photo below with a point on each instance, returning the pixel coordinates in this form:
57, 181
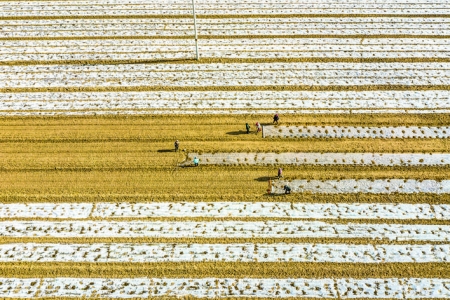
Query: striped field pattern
95, 203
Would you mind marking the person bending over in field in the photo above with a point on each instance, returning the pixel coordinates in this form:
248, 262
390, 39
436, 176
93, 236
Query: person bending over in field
177, 145
287, 190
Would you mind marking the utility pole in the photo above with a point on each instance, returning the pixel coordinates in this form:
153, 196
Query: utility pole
195, 29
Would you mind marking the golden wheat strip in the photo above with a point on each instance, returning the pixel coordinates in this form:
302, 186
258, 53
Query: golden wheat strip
376, 186
143, 287
243, 252
362, 159
356, 132
223, 229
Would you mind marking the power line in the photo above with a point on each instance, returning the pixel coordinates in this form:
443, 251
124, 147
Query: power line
195, 30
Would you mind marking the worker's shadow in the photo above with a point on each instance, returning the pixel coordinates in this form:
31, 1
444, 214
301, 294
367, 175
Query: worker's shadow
266, 178
238, 132
188, 166
165, 150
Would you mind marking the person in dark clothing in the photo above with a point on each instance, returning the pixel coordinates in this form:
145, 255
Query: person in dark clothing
287, 190
276, 118
247, 127
177, 145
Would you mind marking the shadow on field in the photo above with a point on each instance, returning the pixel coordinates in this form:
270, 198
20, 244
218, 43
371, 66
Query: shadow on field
265, 178
188, 166
238, 132
274, 195
165, 150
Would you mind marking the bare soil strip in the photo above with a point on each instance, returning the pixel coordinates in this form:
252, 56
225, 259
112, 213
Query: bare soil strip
244, 252
355, 132
359, 159
386, 186
224, 287
223, 229
245, 210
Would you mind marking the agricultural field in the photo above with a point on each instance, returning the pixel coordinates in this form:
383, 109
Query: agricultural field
95, 202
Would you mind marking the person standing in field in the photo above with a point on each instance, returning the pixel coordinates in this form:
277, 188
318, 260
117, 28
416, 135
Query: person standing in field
258, 127
177, 145
196, 161
247, 127
280, 172
275, 119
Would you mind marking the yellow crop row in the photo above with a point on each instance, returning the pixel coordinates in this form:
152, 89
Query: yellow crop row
204, 180
228, 269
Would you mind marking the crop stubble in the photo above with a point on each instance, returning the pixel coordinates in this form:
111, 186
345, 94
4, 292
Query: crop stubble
93, 159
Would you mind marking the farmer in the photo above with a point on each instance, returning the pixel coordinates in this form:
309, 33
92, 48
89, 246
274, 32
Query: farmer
258, 127
177, 145
196, 160
280, 172
247, 127
275, 119
287, 190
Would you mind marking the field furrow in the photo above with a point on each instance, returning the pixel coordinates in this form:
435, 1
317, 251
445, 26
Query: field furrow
242, 102
376, 186
225, 75
223, 229
384, 211
161, 112
346, 288
280, 252
360, 159
262, 48
174, 8
272, 209
400, 132
279, 27
46, 210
